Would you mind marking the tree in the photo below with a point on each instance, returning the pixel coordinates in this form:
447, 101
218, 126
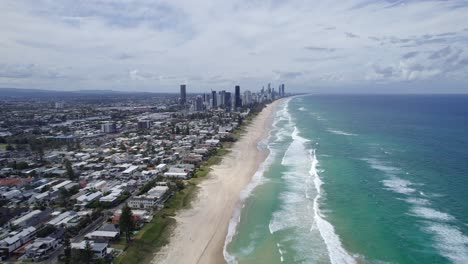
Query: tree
46, 230
9, 148
67, 249
122, 146
64, 195
126, 223
70, 172
22, 165
40, 153
87, 255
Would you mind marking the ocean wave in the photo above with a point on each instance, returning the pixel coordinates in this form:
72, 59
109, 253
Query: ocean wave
381, 166
417, 201
399, 185
336, 251
342, 133
431, 214
451, 242
302, 109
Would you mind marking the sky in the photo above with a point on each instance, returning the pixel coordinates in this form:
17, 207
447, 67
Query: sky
320, 46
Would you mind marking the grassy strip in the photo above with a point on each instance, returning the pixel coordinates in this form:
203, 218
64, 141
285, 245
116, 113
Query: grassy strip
149, 240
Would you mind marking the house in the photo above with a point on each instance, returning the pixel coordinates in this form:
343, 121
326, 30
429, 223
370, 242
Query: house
161, 167
130, 171
88, 198
103, 236
153, 198
212, 142
11, 194
112, 197
32, 218
61, 185
99, 249
15, 240
41, 248
180, 175
63, 218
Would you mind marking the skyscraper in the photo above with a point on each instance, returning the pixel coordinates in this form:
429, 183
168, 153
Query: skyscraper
214, 99
227, 101
199, 104
237, 100
222, 97
183, 94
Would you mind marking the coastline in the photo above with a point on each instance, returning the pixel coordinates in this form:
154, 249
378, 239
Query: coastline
200, 232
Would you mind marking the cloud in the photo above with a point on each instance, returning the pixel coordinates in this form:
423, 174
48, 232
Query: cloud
156, 44
351, 35
410, 55
287, 75
16, 71
441, 53
323, 49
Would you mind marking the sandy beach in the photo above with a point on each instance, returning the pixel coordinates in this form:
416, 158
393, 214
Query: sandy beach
201, 231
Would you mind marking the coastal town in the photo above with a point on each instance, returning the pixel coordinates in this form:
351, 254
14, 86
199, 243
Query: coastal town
93, 178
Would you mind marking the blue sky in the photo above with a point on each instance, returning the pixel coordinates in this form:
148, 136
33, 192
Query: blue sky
312, 46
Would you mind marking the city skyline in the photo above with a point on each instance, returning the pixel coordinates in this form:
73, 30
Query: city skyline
354, 46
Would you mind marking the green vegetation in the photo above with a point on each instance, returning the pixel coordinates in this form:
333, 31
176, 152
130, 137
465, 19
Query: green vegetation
149, 240
70, 172
126, 222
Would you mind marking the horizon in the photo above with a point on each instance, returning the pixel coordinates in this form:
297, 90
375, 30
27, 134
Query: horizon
356, 46
199, 92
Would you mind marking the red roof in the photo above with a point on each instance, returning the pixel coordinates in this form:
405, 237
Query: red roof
14, 181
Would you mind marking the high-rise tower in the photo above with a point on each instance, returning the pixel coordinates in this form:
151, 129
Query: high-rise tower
183, 94
214, 99
237, 98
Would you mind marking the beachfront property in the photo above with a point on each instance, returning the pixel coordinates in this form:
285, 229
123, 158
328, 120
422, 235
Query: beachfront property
99, 249
154, 198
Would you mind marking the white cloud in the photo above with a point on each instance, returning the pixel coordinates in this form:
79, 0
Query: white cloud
156, 45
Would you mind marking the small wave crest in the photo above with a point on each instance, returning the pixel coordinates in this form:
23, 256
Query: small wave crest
342, 133
448, 239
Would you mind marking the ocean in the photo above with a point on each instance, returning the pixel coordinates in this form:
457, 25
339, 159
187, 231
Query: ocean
359, 179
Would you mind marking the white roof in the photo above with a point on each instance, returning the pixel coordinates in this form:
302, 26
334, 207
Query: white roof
25, 232
59, 219
60, 185
158, 191
26, 217
98, 233
130, 169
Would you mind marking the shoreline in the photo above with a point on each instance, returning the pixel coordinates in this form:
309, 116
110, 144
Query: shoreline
200, 233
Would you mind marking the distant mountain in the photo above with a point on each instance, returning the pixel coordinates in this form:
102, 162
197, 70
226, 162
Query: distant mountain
17, 92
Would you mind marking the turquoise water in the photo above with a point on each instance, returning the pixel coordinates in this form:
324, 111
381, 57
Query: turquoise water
359, 179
